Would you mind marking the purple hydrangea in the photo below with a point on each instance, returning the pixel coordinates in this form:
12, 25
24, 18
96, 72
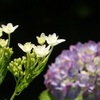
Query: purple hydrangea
75, 70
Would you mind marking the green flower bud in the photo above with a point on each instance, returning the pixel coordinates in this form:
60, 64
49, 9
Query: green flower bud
41, 39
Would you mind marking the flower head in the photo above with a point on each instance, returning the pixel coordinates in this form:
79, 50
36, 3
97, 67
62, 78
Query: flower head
0, 31
41, 51
77, 67
53, 39
9, 28
27, 47
41, 39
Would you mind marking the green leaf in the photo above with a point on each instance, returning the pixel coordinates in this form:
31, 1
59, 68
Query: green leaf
46, 95
5, 54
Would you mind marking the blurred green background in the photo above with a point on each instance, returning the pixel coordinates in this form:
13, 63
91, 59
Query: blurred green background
77, 20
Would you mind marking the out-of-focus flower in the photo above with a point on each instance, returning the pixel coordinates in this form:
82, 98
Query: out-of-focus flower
53, 39
86, 51
3, 42
78, 67
98, 80
9, 28
41, 51
0, 31
27, 47
41, 39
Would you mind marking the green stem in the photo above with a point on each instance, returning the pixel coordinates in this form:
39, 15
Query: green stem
39, 68
3, 68
13, 96
28, 59
15, 91
8, 40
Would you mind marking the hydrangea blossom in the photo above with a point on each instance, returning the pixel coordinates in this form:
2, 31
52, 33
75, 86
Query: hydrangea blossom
75, 70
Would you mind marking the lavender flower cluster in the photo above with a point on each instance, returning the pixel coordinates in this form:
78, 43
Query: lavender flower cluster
75, 70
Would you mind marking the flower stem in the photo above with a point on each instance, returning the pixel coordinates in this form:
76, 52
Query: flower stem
13, 96
8, 40
15, 91
28, 58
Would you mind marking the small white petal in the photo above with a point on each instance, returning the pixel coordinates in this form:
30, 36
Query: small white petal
20, 45
60, 41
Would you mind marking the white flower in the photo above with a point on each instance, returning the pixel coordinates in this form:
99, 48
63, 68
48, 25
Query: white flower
41, 51
0, 31
27, 47
53, 39
3, 42
9, 28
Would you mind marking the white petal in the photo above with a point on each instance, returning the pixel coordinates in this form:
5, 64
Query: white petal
16, 27
60, 41
20, 45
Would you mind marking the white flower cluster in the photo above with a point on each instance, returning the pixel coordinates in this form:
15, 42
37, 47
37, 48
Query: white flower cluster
41, 50
29, 66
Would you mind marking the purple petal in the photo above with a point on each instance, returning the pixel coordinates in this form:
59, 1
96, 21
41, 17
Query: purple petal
73, 69
91, 67
83, 80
